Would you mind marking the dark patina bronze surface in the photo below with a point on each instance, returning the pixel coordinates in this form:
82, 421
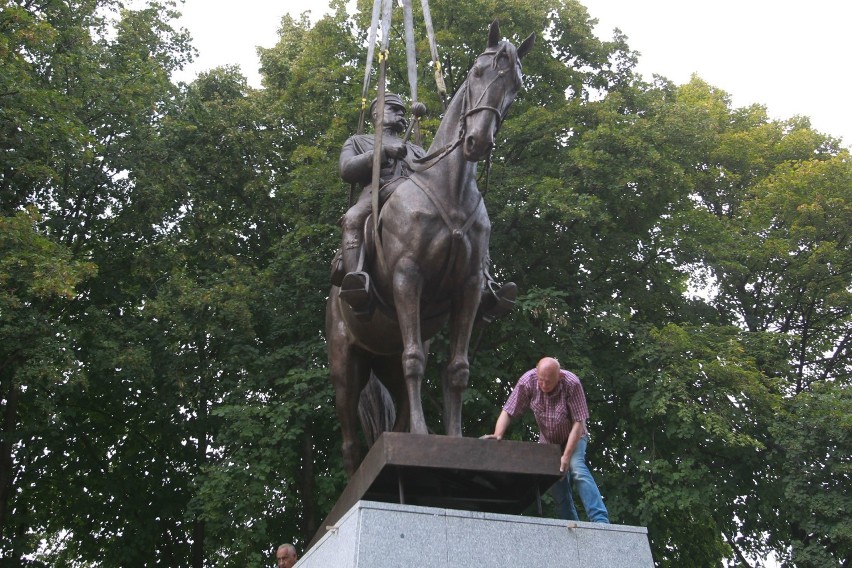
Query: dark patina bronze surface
426, 270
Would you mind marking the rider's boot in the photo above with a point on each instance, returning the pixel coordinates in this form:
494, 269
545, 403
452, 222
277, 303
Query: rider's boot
496, 300
355, 288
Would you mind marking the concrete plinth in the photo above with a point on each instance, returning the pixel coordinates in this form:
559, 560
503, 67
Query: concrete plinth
388, 535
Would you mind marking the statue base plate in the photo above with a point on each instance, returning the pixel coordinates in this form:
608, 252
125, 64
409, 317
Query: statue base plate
449, 472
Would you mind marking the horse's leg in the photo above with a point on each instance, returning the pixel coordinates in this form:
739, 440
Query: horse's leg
349, 379
390, 370
407, 287
350, 370
462, 314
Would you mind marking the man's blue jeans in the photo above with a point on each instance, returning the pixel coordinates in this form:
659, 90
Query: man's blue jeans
581, 479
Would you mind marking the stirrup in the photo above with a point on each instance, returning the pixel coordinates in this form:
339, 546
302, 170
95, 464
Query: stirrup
497, 303
355, 290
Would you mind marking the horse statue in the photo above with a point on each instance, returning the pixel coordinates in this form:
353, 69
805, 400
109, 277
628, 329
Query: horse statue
429, 265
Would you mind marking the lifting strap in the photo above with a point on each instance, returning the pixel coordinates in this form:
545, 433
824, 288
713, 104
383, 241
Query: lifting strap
385, 18
377, 125
408, 15
371, 47
436, 63
411, 61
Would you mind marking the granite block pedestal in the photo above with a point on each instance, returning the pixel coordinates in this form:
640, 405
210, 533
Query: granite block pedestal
388, 535
439, 501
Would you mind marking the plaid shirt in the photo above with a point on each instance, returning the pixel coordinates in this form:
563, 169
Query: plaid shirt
555, 412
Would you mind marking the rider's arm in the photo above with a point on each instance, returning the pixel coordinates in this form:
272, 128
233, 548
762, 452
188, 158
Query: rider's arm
355, 166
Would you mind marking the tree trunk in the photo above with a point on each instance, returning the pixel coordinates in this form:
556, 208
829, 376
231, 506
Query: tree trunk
197, 543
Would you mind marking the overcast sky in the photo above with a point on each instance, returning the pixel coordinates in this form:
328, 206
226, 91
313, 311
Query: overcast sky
791, 56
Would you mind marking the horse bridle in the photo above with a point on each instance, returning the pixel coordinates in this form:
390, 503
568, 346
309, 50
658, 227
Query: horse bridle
426, 162
499, 114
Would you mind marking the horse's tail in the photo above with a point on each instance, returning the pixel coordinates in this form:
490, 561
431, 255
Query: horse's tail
375, 410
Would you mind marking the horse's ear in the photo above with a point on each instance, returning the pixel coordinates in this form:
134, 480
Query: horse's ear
526, 46
494, 34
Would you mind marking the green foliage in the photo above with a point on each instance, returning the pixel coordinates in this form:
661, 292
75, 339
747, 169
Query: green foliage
38, 281
815, 428
702, 398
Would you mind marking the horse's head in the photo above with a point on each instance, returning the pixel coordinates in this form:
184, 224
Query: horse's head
491, 86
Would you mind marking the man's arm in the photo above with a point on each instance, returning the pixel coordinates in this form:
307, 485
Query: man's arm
518, 403
577, 431
500, 428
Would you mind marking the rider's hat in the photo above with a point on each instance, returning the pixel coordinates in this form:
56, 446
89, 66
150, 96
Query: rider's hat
390, 99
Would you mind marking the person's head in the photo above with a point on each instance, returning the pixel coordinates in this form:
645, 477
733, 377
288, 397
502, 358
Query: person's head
547, 374
285, 556
394, 115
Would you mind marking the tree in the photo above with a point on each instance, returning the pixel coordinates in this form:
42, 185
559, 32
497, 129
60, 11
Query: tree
769, 230
69, 132
38, 279
813, 431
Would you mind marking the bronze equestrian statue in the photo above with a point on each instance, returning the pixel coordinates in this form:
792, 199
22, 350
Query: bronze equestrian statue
428, 262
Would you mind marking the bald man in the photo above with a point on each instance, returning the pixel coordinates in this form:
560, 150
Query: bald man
557, 400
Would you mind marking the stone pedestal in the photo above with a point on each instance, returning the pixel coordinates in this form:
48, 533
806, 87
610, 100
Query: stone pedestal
444, 502
388, 535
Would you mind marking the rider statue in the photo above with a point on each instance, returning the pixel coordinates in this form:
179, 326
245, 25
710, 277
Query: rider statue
356, 167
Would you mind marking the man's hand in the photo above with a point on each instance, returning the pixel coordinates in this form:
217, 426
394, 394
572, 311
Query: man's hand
565, 464
394, 149
503, 422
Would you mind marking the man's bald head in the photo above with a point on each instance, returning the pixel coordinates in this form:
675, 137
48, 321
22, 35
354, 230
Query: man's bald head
547, 374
